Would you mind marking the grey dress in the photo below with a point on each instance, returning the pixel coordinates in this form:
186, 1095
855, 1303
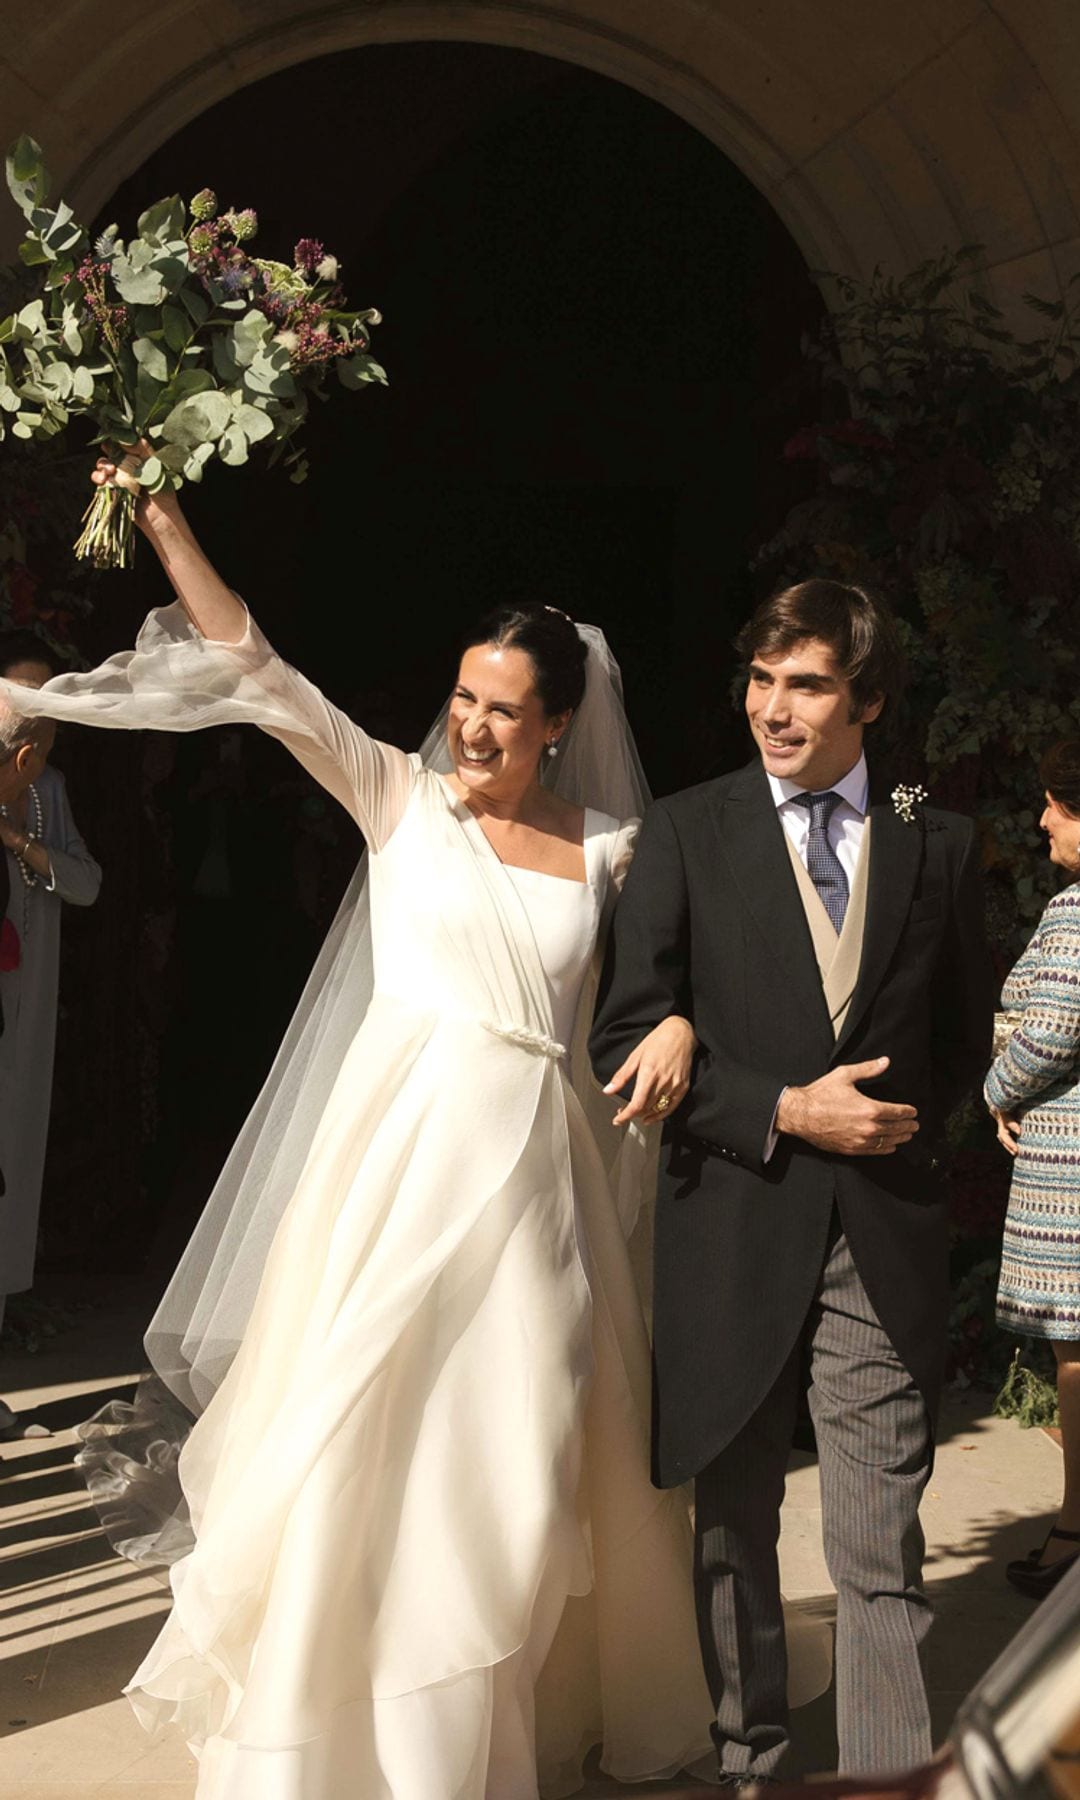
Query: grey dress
26, 1048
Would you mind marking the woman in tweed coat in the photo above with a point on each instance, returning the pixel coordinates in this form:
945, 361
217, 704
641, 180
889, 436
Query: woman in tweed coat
1033, 1090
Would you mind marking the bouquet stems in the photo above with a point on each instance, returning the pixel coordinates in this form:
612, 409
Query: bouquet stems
108, 534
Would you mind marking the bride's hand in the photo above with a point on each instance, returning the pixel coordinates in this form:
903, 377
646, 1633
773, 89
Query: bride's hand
659, 1067
152, 511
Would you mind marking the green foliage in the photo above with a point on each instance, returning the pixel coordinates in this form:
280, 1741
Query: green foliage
1028, 1396
948, 466
178, 337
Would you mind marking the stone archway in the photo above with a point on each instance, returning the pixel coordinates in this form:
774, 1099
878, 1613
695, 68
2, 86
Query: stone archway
879, 135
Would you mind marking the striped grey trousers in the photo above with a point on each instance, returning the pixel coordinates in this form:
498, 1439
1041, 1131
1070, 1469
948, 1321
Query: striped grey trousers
875, 1449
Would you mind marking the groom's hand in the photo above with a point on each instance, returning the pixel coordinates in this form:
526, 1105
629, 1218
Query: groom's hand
833, 1115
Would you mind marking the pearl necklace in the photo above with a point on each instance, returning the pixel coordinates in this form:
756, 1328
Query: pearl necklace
31, 833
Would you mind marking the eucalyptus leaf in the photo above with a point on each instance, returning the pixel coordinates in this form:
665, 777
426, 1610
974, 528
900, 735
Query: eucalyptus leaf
32, 318
148, 392
59, 378
248, 336
21, 429
224, 356
83, 383
173, 457
233, 447
152, 358
138, 286
253, 422
65, 232
197, 461
195, 303
270, 374
152, 474
32, 252
357, 371
27, 176
164, 221
176, 327
60, 273
191, 381
69, 331
9, 399
198, 420
173, 271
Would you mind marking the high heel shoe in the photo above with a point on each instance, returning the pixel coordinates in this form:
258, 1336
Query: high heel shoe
1034, 1578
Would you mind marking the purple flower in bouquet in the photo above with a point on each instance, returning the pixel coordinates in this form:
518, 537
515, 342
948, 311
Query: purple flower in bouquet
178, 339
308, 255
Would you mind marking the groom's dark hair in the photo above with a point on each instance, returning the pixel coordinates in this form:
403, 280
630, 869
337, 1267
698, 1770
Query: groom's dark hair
855, 622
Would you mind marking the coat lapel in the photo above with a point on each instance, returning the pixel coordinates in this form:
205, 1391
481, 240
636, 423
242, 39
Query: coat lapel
751, 838
896, 854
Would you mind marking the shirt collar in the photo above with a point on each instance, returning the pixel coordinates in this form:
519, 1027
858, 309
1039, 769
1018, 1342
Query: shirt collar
854, 788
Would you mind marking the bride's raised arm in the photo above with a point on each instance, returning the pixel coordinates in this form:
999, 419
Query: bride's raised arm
213, 609
205, 662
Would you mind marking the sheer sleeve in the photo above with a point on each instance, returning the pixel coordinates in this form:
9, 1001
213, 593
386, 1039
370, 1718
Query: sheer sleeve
177, 680
372, 780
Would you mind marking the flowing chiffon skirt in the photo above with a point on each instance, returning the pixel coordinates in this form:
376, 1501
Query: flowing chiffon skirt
434, 1436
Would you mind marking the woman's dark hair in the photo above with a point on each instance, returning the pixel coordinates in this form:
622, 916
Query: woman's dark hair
550, 639
26, 646
1059, 772
855, 623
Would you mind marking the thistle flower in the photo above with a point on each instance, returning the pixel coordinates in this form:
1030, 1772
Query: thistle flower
287, 339
245, 224
326, 269
234, 277
307, 255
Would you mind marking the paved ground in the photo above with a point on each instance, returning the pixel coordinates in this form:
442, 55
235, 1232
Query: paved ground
74, 1621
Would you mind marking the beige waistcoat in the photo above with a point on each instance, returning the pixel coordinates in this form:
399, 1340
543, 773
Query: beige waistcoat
838, 956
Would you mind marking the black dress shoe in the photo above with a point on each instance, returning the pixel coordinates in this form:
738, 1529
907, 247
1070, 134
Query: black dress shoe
1034, 1578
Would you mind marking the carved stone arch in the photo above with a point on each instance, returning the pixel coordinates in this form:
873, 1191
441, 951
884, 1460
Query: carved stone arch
879, 134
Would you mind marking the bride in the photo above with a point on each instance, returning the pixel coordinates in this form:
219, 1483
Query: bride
428, 1563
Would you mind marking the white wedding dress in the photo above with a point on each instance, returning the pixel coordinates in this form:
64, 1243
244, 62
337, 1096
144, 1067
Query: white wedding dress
429, 1562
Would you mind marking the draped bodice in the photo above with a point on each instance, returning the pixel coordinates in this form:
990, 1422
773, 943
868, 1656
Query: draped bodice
456, 932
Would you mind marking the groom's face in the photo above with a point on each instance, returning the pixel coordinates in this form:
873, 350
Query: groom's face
800, 710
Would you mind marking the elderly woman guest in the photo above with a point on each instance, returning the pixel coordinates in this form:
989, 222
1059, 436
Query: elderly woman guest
47, 863
1033, 1090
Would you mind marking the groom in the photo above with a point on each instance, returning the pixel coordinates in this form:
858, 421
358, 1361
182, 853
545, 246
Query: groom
826, 945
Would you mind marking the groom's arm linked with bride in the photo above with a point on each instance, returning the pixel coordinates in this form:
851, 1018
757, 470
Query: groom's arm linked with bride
827, 945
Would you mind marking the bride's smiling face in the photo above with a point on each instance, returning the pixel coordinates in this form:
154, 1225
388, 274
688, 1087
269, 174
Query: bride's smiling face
497, 730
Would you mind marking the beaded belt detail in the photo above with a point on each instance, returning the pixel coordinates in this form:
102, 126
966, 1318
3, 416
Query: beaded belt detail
529, 1040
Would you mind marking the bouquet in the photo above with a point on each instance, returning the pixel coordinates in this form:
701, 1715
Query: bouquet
180, 338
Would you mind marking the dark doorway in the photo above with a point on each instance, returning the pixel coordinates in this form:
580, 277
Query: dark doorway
592, 331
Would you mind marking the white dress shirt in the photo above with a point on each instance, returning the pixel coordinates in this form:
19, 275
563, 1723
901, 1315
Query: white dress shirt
846, 825
845, 832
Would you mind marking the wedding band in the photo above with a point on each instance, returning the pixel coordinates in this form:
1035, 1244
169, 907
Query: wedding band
663, 1101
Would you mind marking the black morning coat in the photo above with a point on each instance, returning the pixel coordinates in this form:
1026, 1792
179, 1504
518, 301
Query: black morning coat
711, 925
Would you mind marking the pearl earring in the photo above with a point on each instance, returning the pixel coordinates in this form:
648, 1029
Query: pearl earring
553, 748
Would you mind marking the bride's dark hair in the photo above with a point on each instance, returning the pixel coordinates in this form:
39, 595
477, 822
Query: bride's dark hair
547, 636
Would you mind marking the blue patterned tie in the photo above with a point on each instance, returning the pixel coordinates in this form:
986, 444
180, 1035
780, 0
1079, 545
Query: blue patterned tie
824, 866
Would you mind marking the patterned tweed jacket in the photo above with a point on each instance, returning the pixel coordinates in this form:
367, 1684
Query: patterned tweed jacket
1038, 1072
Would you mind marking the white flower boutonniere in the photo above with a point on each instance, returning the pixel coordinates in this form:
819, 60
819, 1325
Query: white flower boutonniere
907, 801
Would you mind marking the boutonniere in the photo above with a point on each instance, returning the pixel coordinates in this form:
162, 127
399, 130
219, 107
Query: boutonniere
907, 801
